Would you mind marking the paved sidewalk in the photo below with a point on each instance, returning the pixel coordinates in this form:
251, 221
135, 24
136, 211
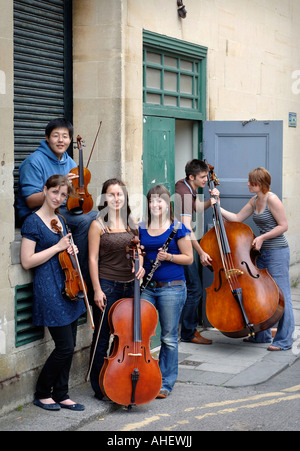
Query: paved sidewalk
228, 362
233, 363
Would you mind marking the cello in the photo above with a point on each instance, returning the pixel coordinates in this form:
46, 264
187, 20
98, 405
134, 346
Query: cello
130, 375
242, 299
75, 287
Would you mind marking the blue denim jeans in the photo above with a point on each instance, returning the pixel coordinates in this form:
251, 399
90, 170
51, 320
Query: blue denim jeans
277, 262
190, 312
113, 291
169, 302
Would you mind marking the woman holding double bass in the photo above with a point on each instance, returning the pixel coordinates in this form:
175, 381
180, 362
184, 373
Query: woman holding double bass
268, 214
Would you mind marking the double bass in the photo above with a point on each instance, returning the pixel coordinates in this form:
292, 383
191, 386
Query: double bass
242, 299
130, 375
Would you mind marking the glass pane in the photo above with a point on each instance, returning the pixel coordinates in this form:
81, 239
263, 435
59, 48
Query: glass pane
153, 58
170, 101
153, 78
186, 84
187, 65
186, 103
153, 98
171, 62
170, 82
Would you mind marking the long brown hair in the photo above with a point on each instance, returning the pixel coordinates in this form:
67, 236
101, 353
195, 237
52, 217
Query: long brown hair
125, 210
160, 191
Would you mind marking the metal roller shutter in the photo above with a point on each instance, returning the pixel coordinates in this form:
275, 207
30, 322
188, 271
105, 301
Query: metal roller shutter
42, 70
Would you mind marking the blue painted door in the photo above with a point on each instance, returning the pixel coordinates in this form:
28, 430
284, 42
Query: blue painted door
234, 149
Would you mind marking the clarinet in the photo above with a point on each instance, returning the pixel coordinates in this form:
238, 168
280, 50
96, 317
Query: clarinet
157, 262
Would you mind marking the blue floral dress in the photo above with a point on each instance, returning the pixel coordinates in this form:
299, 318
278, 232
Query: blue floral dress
50, 307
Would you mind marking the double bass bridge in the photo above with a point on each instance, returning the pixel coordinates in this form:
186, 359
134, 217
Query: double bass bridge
233, 272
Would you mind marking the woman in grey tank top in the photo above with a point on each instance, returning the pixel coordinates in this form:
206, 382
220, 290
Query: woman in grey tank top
270, 218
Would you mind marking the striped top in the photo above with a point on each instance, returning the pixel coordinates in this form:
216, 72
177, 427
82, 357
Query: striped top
265, 222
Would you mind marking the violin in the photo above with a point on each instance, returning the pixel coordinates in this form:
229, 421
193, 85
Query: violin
131, 376
81, 200
242, 299
75, 287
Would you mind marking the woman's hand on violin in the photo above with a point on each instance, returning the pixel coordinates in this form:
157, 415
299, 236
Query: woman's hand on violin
64, 243
73, 250
100, 299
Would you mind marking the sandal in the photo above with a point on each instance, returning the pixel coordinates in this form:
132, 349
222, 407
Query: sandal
274, 348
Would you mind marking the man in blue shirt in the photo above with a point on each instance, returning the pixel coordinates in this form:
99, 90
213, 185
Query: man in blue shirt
51, 158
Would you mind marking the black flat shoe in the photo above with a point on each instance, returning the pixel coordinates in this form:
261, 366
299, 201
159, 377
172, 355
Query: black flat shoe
53, 406
76, 407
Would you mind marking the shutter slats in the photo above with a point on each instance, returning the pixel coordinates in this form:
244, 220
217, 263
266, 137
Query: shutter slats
38, 72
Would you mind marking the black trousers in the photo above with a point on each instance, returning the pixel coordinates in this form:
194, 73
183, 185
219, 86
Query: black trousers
53, 381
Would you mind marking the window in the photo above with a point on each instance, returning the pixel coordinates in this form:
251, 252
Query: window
25, 331
174, 77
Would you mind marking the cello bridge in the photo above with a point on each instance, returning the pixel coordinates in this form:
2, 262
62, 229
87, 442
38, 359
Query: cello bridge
233, 272
134, 355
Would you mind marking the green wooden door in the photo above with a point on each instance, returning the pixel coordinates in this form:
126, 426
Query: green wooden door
159, 153
158, 164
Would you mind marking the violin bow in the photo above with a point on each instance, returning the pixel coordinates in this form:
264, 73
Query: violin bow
94, 143
88, 307
87, 377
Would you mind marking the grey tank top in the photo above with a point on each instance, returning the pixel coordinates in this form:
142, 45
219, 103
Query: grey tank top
265, 222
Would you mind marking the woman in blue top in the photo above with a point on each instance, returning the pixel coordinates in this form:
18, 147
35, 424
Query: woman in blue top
167, 291
39, 251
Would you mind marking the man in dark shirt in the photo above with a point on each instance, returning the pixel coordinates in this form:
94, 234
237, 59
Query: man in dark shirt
187, 204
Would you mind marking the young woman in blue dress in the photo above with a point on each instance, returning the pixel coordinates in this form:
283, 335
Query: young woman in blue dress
39, 251
167, 291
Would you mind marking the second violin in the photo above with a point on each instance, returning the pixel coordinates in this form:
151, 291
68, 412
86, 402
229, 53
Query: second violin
81, 201
75, 287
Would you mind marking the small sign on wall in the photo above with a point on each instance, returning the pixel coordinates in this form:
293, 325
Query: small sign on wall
292, 119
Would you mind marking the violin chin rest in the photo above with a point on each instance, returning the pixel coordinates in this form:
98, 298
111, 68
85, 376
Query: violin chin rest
76, 211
